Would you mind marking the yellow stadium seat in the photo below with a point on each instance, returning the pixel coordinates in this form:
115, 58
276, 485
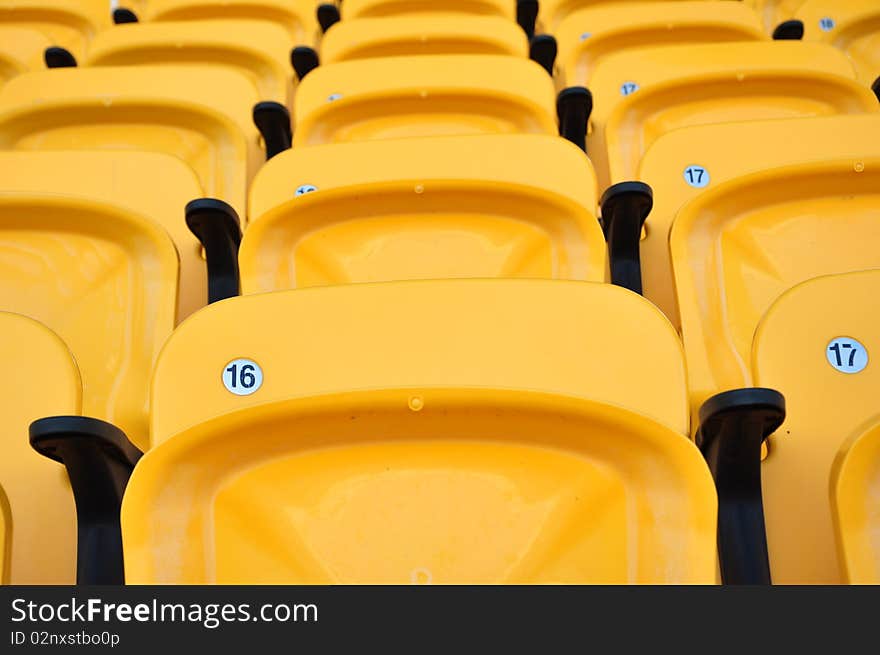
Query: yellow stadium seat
588, 35
429, 431
423, 96
423, 208
21, 50
853, 483
127, 180
200, 115
739, 245
70, 24
816, 344
257, 49
552, 12
685, 163
431, 34
853, 26
296, 16
40, 516
643, 94
5, 538
383, 8
105, 279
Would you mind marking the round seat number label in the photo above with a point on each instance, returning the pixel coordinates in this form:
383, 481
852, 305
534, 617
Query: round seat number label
847, 355
242, 377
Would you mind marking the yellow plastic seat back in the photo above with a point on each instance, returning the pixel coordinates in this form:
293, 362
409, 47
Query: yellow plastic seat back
852, 26
551, 13
21, 50
430, 34
854, 479
295, 16
739, 246
39, 516
127, 180
70, 24
817, 344
105, 280
436, 95
200, 115
257, 49
685, 163
5, 538
357, 453
383, 8
588, 35
642, 94
423, 208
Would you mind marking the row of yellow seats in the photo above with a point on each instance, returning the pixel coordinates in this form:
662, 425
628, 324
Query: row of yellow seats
415, 188
837, 151
356, 433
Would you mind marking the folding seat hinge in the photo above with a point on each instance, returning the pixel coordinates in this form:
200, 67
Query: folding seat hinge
733, 426
625, 207
99, 460
217, 227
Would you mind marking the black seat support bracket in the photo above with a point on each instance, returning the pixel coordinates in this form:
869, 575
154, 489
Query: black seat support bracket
625, 207
99, 460
273, 121
217, 227
733, 426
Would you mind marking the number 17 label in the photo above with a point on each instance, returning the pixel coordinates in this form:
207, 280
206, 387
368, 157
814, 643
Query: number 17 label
846, 355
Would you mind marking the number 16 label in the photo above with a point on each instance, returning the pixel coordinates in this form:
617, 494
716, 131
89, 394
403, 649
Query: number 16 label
846, 355
242, 377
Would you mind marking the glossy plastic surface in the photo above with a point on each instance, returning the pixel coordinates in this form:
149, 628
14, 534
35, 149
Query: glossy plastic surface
200, 115
794, 353
38, 510
105, 280
423, 208
432, 34
433, 95
686, 163
587, 35
256, 49
681, 86
449, 463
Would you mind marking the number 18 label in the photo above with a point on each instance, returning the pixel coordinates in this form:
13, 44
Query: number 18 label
847, 355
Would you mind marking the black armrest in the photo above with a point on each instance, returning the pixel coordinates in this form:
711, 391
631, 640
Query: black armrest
625, 207
122, 16
790, 30
543, 50
99, 459
304, 60
573, 108
57, 57
273, 121
218, 229
328, 16
733, 426
527, 15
